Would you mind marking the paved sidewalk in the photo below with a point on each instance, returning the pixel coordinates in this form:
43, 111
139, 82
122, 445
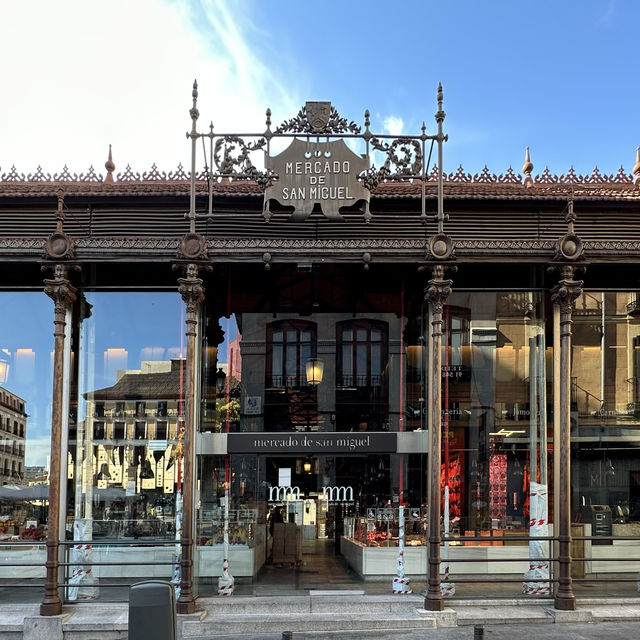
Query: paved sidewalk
335, 616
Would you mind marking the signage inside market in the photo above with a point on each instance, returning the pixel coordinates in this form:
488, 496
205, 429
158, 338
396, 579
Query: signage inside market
320, 442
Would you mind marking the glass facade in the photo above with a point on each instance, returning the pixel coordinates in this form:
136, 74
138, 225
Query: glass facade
123, 471
605, 436
312, 422
26, 370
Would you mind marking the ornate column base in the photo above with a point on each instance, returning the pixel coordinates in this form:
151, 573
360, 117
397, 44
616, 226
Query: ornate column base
565, 602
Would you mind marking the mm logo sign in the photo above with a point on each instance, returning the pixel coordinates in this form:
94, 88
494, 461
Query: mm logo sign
337, 494
282, 494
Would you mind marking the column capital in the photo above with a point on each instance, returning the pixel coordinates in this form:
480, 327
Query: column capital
439, 289
565, 292
59, 288
190, 286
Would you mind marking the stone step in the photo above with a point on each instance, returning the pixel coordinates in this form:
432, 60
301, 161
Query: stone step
381, 633
499, 614
219, 627
312, 604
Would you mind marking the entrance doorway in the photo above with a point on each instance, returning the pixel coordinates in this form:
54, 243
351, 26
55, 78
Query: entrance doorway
306, 504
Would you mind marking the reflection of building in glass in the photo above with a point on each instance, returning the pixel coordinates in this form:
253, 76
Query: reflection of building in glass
129, 440
13, 427
36, 475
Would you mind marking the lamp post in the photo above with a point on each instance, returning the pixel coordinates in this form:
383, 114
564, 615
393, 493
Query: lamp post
221, 378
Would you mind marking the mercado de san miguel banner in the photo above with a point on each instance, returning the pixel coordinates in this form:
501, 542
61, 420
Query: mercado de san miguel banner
297, 443
311, 172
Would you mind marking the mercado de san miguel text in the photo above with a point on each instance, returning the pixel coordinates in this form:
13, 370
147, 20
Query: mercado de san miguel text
314, 360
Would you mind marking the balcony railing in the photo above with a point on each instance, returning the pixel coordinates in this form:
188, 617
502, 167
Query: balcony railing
359, 380
294, 382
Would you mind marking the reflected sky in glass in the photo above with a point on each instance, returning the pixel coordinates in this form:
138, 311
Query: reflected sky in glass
26, 348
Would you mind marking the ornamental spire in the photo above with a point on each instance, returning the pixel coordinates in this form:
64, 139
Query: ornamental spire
527, 168
110, 167
636, 168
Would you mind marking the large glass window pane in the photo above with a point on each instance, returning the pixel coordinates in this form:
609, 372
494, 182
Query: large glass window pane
605, 436
125, 454
26, 359
496, 438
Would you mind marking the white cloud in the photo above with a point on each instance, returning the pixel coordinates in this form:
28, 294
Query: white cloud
79, 75
393, 125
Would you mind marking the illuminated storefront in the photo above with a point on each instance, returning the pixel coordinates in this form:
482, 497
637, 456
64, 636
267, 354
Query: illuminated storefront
320, 385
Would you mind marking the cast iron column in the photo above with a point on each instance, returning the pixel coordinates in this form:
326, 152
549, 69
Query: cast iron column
59, 289
564, 295
436, 295
192, 292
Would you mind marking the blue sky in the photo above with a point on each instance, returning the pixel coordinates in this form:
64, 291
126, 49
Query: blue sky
559, 77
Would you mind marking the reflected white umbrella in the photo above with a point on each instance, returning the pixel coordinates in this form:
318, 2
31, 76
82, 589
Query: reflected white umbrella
24, 492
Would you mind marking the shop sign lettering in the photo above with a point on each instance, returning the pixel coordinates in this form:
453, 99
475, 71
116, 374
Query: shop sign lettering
317, 173
335, 442
281, 494
337, 494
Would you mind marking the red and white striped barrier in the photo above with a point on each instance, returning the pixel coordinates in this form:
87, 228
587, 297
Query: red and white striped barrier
83, 581
226, 580
538, 527
176, 578
401, 584
447, 589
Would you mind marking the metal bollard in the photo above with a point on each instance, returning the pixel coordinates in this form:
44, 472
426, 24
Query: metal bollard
152, 611
478, 632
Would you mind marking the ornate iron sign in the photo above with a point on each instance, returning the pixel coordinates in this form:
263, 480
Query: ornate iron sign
319, 173
319, 170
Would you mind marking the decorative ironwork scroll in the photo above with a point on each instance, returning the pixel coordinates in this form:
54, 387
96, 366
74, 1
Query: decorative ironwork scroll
318, 171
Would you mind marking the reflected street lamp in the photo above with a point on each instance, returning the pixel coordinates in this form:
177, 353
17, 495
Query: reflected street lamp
314, 370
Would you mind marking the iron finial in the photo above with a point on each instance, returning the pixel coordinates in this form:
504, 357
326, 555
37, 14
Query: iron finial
268, 121
367, 117
193, 112
527, 168
571, 216
636, 167
440, 115
60, 210
110, 167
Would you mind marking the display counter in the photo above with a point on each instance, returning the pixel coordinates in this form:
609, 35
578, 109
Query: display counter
500, 554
